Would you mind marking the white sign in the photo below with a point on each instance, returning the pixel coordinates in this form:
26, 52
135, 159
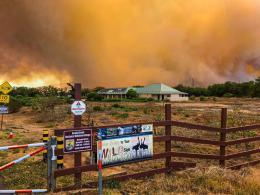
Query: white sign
126, 143
3, 109
78, 107
119, 150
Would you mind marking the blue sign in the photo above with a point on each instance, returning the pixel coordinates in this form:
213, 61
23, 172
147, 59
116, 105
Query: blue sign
3, 109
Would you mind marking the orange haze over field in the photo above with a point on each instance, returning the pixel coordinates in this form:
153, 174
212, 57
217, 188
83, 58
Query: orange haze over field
129, 42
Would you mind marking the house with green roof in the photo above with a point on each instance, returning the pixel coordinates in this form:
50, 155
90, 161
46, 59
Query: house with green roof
160, 91
157, 91
114, 93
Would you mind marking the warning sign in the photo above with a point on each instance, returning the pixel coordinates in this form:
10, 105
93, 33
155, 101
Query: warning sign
4, 99
78, 107
6, 88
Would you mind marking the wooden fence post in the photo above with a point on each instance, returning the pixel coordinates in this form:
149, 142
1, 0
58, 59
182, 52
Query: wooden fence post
77, 123
223, 136
168, 117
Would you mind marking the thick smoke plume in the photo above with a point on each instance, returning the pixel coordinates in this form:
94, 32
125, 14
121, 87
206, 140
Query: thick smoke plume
128, 42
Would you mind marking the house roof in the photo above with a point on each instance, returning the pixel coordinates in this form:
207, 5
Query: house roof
158, 88
114, 91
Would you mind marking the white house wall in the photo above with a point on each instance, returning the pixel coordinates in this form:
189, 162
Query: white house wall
177, 97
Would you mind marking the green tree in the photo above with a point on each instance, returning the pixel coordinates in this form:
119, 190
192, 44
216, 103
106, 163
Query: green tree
131, 94
25, 91
256, 92
94, 96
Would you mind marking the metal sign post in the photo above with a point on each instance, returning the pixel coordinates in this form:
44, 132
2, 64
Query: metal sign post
100, 167
52, 143
3, 110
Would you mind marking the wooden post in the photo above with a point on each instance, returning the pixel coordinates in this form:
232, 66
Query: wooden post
223, 136
168, 117
77, 123
2, 122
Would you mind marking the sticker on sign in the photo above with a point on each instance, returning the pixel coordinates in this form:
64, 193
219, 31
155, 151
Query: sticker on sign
3, 109
78, 107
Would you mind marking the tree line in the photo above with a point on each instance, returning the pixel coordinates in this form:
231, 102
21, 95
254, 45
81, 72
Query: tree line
227, 89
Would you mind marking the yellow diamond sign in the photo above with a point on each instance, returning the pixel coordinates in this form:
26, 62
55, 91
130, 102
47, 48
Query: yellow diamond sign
4, 99
6, 88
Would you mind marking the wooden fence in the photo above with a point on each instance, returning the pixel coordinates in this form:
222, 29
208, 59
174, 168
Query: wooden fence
169, 152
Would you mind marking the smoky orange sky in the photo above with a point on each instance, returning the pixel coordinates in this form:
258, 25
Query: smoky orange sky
129, 42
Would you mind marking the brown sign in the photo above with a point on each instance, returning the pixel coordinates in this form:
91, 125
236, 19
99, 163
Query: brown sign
77, 140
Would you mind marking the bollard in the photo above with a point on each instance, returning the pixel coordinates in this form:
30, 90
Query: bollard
59, 157
45, 136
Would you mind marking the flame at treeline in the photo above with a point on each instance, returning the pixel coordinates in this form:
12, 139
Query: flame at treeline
129, 42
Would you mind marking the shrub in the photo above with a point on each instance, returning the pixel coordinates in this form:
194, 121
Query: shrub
192, 97
50, 109
112, 100
46, 103
228, 95
147, 110
98, 108
117, 106
14, 105
202, 98
94, 96
150, 99
24, 100
123, 115
113, 113
129, 109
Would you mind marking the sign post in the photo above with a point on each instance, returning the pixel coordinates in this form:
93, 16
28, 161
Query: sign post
5, 88
77, 123
2, 120
100, 167
3, 110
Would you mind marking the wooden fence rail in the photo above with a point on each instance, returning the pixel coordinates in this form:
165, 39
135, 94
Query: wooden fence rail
169, 152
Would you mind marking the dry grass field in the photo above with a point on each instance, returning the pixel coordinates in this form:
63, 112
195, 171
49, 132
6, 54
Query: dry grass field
27, 126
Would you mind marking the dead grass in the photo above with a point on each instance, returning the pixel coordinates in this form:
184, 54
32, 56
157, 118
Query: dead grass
212, 180
196, 181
